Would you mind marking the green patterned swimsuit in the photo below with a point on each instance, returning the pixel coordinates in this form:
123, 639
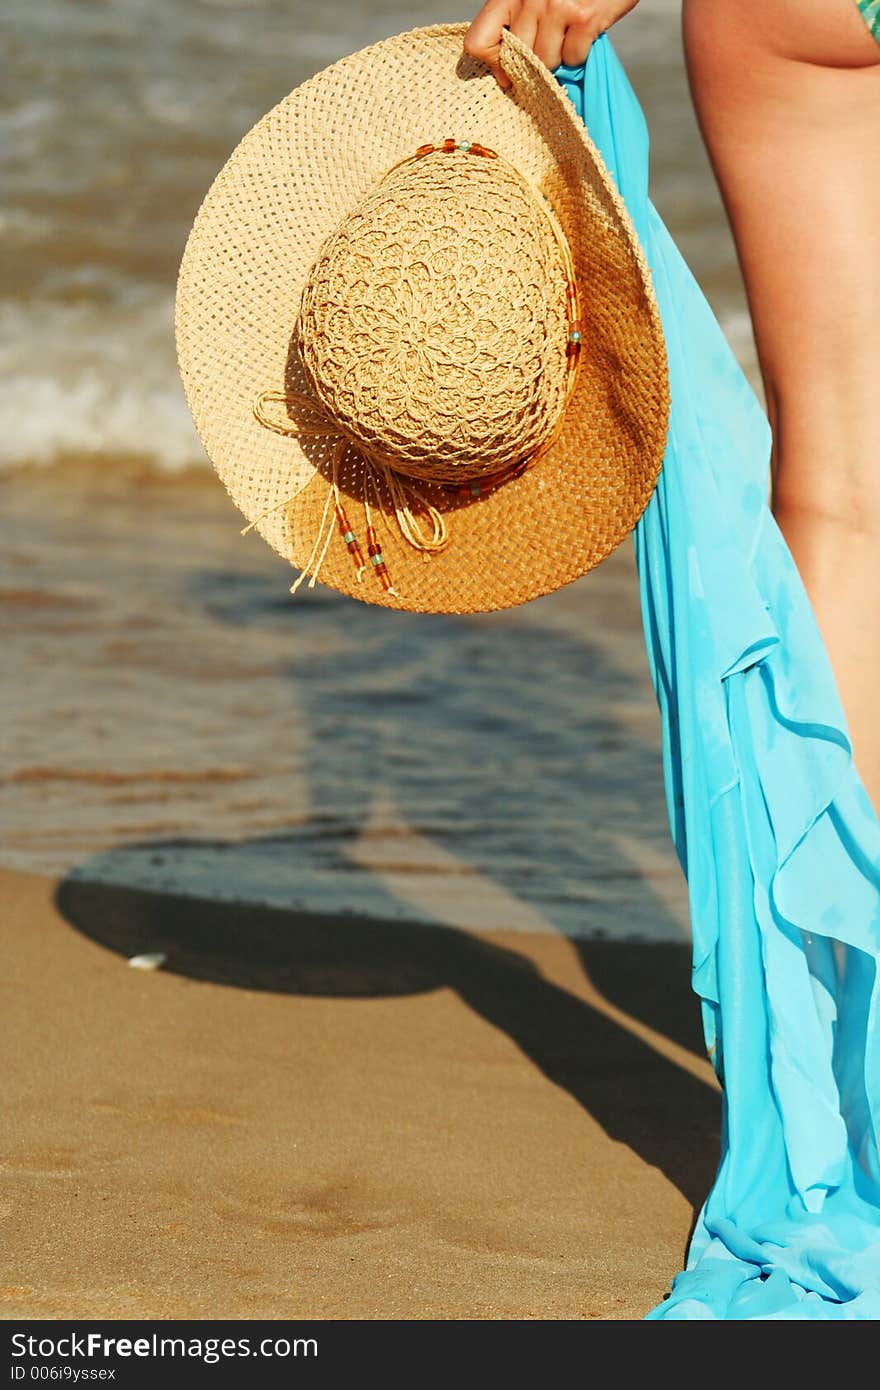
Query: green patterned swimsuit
870, 12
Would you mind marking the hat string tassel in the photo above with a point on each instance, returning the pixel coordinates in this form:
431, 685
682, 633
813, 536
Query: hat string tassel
290, 431
428, 534
400, 494
304, 572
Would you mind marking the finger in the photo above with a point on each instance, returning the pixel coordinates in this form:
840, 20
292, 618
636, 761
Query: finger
525, 24
578, 41
549, 38
483, 39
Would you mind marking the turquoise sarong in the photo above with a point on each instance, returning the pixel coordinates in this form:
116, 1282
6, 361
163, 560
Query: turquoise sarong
870, 12
771, 821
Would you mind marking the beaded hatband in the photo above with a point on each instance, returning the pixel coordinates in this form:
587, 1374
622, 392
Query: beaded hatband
403, 491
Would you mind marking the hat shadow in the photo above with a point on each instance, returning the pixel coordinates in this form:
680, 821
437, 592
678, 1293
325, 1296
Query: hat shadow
437, 701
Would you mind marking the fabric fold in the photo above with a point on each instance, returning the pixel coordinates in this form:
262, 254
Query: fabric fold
770, 819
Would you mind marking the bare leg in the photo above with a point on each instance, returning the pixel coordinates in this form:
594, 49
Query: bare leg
787, 94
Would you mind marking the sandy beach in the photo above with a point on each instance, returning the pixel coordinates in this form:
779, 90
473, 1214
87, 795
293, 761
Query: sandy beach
427, 1124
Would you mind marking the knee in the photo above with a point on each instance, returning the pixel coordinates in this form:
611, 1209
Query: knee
843, 514
826, 457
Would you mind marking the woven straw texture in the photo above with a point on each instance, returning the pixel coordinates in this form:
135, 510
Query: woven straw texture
433, 326
280, 204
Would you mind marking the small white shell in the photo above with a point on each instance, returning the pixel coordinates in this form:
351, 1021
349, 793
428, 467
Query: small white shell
151, 960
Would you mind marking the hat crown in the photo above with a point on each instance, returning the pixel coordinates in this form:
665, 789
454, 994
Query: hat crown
433, 325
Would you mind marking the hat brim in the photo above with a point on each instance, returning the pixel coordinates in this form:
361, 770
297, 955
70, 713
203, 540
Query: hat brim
287, 185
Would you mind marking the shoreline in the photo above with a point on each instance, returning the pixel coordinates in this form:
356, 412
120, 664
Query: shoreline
183, 724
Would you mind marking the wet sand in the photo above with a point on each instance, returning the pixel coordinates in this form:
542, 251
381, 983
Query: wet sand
306, 1116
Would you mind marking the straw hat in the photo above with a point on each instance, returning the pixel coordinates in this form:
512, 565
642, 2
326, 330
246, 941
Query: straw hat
418, 334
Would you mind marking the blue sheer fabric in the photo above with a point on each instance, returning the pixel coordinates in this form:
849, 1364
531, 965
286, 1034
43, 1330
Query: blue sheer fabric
771, 821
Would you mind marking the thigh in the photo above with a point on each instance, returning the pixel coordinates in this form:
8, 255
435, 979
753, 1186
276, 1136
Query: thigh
787, 94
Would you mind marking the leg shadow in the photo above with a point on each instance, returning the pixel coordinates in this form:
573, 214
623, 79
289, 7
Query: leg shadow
640, 1098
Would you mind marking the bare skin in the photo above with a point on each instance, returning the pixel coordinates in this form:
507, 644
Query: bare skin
558, 31
786, 93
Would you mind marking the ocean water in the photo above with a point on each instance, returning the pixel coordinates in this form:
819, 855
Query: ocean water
115, 115
178, 722
174, 720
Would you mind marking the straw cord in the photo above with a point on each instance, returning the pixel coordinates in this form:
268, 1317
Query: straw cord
331, 491
372, 482
399, 491
407, 522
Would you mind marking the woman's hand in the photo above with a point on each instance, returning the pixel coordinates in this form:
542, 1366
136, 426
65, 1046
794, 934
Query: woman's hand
557, 31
